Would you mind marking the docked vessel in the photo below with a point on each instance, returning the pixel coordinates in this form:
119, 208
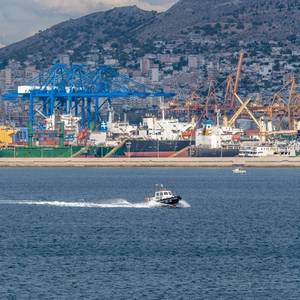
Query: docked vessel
256, 150
224, 151
161, 138
297, 144
216, 141
164, 197
156, 148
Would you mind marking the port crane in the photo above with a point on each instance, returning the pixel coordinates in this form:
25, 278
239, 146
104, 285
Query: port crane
284, 104
232, 84
244, 107
77, 90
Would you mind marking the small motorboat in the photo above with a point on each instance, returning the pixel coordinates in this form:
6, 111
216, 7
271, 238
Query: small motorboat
164, 197
239, 170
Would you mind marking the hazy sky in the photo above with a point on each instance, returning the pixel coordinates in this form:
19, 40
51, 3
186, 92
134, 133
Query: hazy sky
22, 18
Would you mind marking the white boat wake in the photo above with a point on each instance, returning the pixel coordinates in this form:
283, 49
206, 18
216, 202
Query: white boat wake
184, 204
113, 203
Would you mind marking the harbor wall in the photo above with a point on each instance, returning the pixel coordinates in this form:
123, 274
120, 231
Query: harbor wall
293, 162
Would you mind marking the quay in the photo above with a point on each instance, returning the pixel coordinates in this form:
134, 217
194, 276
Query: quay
264, 162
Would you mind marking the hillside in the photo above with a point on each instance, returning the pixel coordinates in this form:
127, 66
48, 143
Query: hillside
80, 35
220, 21
227, 20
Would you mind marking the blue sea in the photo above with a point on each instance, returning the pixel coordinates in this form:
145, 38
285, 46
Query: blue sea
85, 233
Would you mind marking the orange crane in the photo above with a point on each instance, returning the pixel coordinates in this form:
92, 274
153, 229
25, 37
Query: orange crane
174, 103
291, 103
239, 71
229, 89
191, 101
290, 108
211, 99
232, 84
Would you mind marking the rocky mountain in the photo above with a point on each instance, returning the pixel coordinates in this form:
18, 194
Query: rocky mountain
218, 21
227, 20
80, 35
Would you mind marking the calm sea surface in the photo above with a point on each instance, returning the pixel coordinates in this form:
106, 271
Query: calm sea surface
85, 234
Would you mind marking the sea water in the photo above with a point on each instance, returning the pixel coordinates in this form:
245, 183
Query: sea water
71, 233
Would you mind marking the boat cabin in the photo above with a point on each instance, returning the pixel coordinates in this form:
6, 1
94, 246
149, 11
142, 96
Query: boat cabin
164, 194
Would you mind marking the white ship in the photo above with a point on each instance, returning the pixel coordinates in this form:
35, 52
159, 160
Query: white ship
151, 128
257, 150
71, 123
121, 129
214, 141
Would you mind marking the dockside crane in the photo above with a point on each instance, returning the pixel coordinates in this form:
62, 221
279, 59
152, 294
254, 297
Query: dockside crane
244, 107
211, 99
77, 90
238, 74
293, 104
232, 84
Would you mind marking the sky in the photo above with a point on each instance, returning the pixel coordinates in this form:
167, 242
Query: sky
22, 18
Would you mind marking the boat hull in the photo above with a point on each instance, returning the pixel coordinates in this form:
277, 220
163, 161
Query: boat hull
153, 148
150, 154
239, 172
202, 152
172, 202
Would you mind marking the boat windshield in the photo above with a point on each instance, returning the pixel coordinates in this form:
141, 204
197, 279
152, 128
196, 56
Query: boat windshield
163, 194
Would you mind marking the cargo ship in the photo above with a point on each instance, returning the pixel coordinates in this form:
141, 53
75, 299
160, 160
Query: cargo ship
59, 138
154, 137
157, 148
230, 151
54, 151
216, 141
297, 146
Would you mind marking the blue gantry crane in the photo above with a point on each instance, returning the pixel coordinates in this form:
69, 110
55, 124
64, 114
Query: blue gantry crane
76, 90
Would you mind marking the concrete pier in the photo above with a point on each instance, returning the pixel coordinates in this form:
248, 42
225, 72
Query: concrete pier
292, 162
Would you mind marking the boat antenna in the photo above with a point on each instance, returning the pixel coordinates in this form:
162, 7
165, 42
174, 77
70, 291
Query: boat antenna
159, 185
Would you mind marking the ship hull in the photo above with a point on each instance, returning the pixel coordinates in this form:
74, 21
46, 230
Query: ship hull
167, 202
150, 154
202, 152
153, 148
173, 201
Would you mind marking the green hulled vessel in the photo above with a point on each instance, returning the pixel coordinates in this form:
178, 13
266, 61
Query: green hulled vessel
54, 151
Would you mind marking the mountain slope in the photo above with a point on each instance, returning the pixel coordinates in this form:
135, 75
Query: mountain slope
220, 21
235, 19
80, 34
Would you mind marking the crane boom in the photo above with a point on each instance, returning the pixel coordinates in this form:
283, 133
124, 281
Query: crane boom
238, 112
248, 111
234, 88
238, 72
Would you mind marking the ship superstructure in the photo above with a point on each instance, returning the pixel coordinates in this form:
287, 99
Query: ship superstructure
215, 140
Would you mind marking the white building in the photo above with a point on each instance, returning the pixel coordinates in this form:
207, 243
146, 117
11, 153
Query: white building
155, 74
64, 59
145, 64
111, 61
193, 61
6, 79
